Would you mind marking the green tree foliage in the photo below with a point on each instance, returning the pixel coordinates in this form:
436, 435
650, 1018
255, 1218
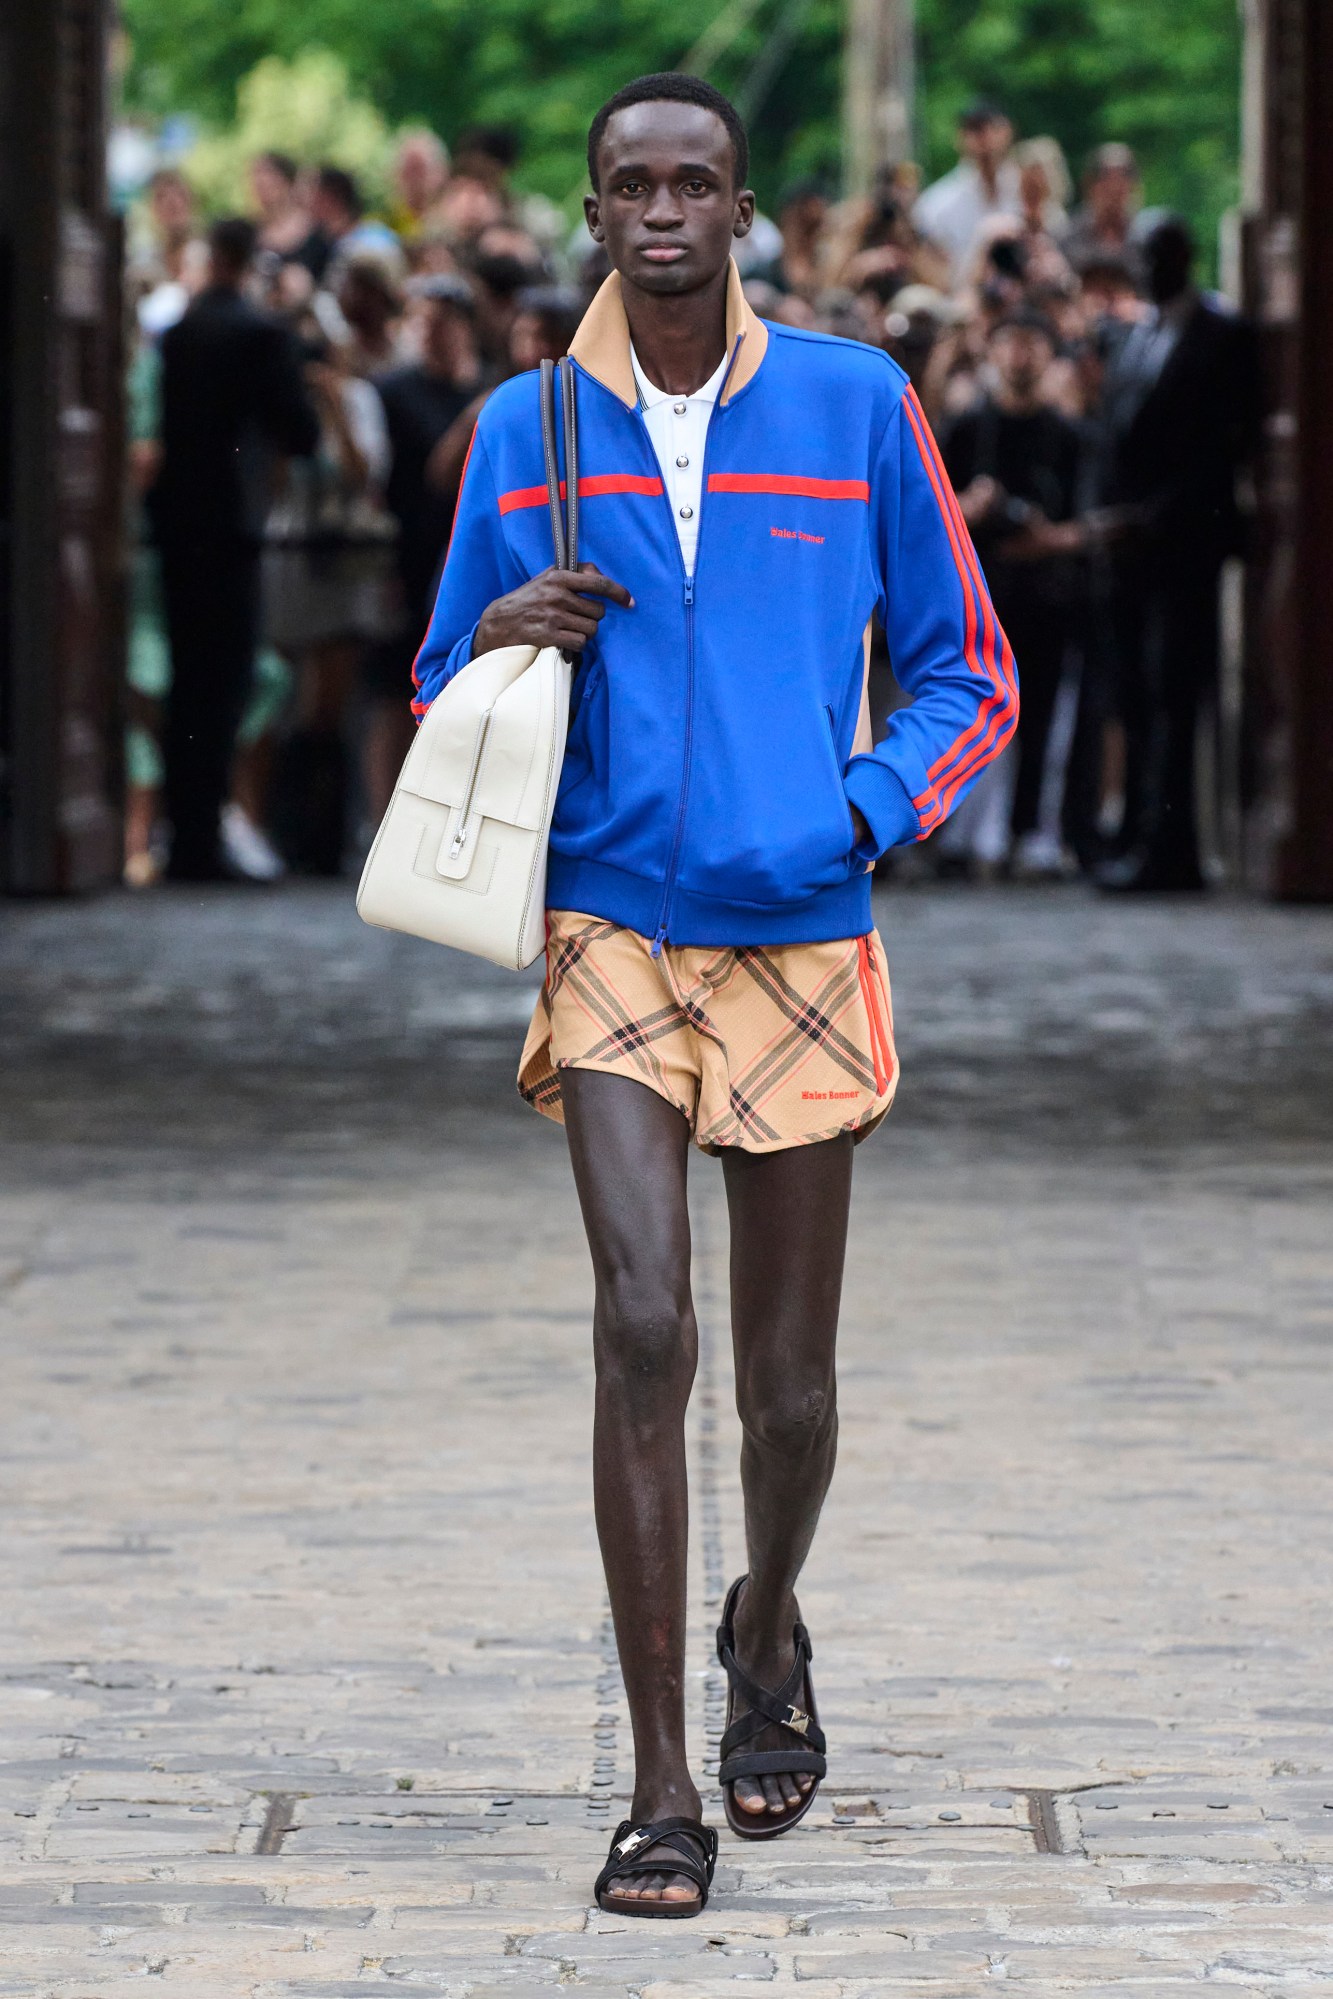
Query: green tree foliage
1163, 78
306, 108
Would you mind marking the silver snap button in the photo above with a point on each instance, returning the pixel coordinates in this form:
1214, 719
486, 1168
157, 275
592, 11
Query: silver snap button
682, 461
687, 513
679, 408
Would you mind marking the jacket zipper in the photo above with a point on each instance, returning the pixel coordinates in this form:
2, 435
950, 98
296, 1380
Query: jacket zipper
668, 887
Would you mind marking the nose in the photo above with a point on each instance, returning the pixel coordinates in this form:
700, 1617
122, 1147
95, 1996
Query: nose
663, 210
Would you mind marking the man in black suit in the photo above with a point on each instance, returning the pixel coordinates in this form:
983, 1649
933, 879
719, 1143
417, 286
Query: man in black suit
232, 398
1181, 413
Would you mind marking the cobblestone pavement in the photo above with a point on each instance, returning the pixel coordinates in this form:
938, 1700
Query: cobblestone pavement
307, 1685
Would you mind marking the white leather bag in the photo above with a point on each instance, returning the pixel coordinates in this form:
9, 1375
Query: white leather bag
461, 856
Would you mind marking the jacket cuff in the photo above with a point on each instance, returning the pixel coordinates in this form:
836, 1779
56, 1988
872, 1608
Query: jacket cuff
437, 677
880, 796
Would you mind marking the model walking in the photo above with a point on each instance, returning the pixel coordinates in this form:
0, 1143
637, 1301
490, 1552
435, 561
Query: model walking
752, 496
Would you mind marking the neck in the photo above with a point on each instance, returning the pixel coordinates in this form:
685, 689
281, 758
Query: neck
990, 175
1016, 402
679, 339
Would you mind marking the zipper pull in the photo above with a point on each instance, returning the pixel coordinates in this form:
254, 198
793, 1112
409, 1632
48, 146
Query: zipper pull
689, 591
658, 941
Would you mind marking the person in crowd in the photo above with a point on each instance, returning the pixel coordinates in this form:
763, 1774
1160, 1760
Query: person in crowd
709, 856
489, 154
1108, 289
286, 228
985, 183
232, 398
498, 276
920, 332
1043, 224
466, 207
1102, 227
1014, 462
328, 563
174, 227
420, 177
546, 318
370, 298
1182, 418
802, 219
170, 267
338, 208
422, 400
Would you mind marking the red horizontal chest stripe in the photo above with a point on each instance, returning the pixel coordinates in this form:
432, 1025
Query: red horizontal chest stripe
779, 482
590, 488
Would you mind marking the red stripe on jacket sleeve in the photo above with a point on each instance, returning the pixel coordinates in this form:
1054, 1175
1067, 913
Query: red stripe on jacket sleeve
778, 482
997, 716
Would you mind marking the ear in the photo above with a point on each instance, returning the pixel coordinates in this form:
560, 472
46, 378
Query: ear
742, 218
592, 209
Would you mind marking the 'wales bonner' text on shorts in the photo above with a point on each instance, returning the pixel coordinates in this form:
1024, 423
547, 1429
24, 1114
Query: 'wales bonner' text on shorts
760, 1048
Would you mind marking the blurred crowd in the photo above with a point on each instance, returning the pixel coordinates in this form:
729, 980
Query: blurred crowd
306, 378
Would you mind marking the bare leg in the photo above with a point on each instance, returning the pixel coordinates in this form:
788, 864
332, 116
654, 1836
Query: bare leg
629, 1149
789, 1215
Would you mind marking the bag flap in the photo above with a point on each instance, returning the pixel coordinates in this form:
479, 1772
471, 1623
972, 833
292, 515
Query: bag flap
440, 760
528, 724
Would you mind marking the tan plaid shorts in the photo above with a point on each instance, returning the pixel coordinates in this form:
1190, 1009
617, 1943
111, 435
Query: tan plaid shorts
759, 1048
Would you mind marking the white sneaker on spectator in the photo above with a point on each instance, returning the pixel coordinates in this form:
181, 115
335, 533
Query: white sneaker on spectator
248, 850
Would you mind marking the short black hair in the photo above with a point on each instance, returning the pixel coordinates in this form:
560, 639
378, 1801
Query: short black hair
342, 186
280, 163
982, 111
232, 240
1025, 319
494, 142
671, 87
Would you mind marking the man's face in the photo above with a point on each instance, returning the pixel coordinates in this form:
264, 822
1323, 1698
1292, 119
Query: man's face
1113, 192
1020, 356
172, 206
667, 207
447, 340
419, 173
268, 186
986, 144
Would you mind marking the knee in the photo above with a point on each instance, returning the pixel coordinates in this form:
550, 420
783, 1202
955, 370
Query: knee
645, 1339
793, 1417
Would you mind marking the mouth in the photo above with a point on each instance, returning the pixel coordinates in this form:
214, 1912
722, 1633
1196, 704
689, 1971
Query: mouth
663, 253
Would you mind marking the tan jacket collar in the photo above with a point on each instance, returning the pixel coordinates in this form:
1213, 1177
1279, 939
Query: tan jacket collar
601, 345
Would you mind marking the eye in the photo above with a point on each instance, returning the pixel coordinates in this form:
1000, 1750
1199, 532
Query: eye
631, 187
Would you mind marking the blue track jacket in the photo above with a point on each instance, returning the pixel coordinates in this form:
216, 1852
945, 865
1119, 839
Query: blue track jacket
720, 729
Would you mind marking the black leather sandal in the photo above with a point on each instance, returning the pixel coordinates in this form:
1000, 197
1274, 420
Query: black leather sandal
694, 1850
805, 1757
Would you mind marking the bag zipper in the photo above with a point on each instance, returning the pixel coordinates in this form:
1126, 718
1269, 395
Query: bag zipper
459, 841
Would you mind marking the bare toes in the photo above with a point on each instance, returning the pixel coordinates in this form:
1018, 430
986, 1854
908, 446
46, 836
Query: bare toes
751, 1799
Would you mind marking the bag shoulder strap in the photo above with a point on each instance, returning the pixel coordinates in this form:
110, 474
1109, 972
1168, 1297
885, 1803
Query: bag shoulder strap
570, 408
564, 519
551, 456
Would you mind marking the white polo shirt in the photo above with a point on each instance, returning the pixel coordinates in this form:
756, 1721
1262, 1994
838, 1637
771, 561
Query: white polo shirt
678, 427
